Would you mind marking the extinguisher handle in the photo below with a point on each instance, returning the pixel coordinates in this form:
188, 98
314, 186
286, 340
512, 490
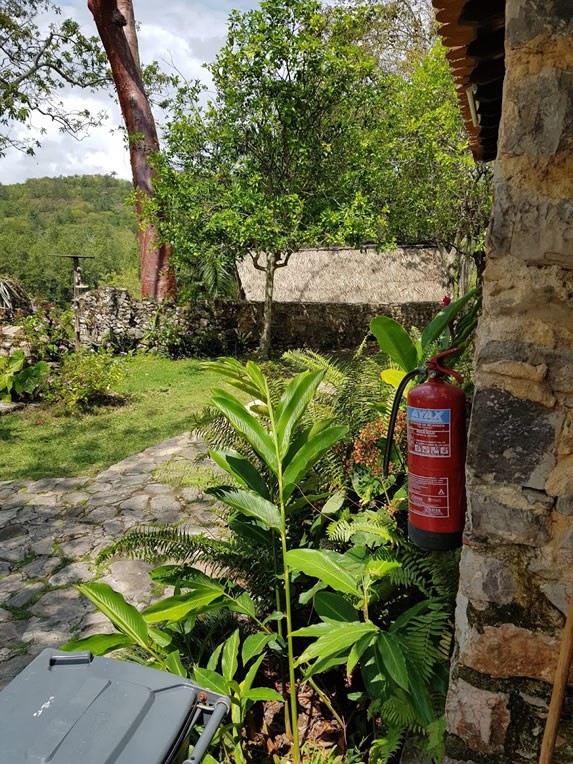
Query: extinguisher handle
435, 364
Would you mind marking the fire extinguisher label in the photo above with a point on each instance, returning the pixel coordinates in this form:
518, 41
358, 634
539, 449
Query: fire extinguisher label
429, 495
429, 432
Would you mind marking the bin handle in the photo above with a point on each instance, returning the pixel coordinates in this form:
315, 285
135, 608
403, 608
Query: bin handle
220, 710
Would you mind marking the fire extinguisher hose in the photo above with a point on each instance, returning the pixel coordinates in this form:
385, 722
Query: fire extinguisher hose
420, 372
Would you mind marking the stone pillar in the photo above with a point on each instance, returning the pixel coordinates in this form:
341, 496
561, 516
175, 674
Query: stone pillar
517, 567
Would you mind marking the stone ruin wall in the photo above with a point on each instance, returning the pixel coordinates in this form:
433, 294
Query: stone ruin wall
12, 338
517, 565
230, 327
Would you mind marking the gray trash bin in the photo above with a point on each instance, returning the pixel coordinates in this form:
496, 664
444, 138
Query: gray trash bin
73, 708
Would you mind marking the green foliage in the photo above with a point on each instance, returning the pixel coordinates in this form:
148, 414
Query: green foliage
39, 61
274, 162
433, 189
85, 378
86, 215
409, 352
50, 332
19, 379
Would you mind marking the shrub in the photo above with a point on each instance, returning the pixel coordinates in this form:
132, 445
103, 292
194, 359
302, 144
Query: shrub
50, 332
86, 378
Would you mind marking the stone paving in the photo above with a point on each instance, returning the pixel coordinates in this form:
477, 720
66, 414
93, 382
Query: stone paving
51, 531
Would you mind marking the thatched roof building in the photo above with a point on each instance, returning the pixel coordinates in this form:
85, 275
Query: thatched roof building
339, 275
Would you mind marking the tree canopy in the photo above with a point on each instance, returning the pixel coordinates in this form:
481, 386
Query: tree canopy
37, 62
273, 163
78, 215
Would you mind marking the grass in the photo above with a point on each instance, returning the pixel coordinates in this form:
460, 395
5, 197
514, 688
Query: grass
161, 395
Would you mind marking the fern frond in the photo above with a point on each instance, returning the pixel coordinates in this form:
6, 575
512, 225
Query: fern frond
384, 748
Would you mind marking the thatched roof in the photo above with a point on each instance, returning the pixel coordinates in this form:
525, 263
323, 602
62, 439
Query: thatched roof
407, 274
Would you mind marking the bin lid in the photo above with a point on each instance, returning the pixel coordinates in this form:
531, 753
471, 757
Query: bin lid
73, 708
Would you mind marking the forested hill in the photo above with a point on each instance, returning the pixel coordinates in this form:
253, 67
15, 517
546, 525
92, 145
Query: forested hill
77, 215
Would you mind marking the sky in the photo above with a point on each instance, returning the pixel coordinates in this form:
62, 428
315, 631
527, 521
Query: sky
185, 33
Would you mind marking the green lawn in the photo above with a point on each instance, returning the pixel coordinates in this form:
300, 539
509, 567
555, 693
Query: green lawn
161, 396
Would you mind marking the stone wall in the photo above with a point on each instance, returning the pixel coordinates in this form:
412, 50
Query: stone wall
517, 565
12, 338
228, 327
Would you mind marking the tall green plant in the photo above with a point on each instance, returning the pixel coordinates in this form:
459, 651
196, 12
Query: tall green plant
288, 458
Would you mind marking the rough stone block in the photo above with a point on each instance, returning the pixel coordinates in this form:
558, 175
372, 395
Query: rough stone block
480, 718
511, 439
486, 578
564, 505
77, 571
493, 521
510, 651
559, 595
560, 479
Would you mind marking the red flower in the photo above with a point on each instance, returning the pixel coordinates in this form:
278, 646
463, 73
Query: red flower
446, 301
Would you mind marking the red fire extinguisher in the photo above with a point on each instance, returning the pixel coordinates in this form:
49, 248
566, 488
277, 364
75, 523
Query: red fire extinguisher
436, 456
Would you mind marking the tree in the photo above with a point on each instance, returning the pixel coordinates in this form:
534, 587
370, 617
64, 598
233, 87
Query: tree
36, 65
434, 190
115, 23
276, 161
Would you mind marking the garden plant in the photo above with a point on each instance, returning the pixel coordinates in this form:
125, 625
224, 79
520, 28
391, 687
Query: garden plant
314, 591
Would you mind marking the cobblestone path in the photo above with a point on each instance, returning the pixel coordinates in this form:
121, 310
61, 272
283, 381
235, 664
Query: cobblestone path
51, 531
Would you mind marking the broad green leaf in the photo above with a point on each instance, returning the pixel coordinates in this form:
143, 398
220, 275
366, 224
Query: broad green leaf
230, 656
249, 528
422, 704
321, 665
214, 657
393, 658
98, 644
394, 340
314, 630
405, 617
173, 663
306, 597
16, 362
254, 644
334, 606
247, 682
241, 469
161, 638
356, 652
177, 607
334, 503
249, 503
338, 639
373, 672
235, 374
256, 375
326, 565
247, 425
393, 377
242, 604
308, 455
296, 397
380, 568
443, 318
124, 617
262, 693
210, 680
303, 438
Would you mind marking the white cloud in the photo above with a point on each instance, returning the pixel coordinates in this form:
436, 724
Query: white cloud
185, 33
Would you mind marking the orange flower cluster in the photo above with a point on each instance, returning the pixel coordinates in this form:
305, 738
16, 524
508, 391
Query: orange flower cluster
366, 449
